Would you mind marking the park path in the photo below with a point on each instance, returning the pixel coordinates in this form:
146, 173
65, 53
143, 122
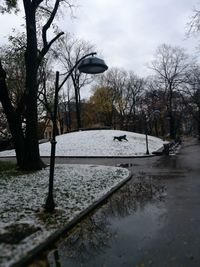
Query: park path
158, 232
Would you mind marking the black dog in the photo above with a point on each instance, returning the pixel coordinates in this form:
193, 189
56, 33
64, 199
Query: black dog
120, 138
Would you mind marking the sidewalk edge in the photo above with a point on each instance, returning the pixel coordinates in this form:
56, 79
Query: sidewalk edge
57, 234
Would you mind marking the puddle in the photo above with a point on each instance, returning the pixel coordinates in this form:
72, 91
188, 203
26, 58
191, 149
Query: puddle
113, 241
125, 165
117, 233
136, 229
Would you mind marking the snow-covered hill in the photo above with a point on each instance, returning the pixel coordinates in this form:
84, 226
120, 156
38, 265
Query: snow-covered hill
98, 143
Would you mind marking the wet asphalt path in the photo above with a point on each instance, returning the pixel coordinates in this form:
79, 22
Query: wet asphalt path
127, 232
131, 232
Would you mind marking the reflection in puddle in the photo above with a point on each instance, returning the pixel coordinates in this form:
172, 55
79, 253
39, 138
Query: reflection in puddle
116, 233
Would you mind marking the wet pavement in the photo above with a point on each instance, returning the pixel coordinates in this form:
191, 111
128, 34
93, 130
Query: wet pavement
153, 220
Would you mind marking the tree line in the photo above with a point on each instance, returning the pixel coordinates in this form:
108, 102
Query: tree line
122, 100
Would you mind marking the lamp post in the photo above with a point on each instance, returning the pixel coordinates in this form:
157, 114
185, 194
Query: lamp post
87, 64
146, 135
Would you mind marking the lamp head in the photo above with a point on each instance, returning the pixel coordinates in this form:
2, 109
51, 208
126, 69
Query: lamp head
92, 65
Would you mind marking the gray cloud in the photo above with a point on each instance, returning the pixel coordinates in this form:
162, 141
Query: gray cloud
129, 31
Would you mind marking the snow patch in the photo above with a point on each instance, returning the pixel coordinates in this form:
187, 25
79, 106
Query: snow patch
76, 187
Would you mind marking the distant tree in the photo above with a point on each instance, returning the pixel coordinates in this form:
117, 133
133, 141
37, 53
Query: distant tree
116, 80
101, 106
151, 100
170, 65
194, 23
107, 80
133, 91
12, 54
126, 88
191, 95
69, 50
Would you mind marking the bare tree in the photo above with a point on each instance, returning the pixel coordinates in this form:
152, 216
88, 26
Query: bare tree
194, 23
126, 88
171, 65
69, 50
134, 89
191, 97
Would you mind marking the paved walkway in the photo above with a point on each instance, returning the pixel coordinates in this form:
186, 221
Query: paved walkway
148, 233
125, 232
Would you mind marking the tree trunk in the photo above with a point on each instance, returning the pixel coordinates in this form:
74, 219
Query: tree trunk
78, 118
32, 159
171, 117
156, 127
198, 123
14, 120
171, 124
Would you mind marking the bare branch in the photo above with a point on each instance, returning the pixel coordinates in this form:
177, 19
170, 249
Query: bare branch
49, 22
46, 48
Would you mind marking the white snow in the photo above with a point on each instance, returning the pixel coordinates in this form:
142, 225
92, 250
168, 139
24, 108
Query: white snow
76, 187
22, 197
98, 143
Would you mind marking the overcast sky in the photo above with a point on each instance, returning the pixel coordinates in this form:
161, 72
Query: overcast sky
126, 32
129, 31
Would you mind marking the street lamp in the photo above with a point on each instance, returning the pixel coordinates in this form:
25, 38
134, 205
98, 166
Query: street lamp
87, 64
146, 135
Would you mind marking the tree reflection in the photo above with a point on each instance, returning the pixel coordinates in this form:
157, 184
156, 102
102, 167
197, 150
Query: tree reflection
95, 233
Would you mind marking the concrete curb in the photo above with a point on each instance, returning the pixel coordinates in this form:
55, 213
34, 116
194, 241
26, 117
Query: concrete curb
55, 236
153, 154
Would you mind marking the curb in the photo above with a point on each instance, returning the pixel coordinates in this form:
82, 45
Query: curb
153, 154
55, 236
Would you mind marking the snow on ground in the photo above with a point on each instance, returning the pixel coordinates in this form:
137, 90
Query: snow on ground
76, 187
98, 143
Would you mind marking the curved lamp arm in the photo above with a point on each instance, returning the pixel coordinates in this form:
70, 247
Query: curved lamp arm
72, 69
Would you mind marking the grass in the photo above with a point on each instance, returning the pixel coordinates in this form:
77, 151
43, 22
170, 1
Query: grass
11, 169
7, 166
